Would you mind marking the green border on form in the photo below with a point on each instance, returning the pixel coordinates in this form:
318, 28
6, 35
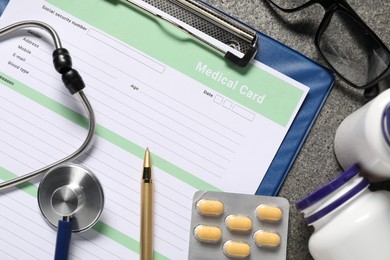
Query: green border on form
251, 86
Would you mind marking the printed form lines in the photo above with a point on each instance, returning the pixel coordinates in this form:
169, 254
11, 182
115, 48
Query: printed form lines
102, 162
215, 151
105, 95
15, 138
126, 185
193, 110
91, 56
189, 118
3, 252
185, 126
13, 217
155, 119
19, 161
34, 125
103, 103
114, 190
91, 157
27, 238
6, 233
126, 50
165, 146
134, 222
152, 130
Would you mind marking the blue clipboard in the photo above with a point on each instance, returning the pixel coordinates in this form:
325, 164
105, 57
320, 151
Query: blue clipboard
320, 81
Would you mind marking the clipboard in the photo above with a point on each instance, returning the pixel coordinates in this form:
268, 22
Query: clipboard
320, 81
284, 59
265, 50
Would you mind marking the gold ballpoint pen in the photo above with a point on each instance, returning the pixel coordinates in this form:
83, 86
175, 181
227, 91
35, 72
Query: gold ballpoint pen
146, 250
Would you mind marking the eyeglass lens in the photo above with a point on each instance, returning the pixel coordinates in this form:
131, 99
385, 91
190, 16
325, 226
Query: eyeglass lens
289, 4
351, 49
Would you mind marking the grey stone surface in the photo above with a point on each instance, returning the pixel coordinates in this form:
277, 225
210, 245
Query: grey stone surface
316, 163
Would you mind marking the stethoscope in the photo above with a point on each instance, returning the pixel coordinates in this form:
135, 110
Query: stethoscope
70, 197
73, 82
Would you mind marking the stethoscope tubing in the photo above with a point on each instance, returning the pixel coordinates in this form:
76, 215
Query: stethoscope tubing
91, 115
64, 233
31, 23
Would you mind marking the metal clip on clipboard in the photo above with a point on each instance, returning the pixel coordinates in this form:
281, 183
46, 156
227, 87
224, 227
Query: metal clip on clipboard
210, 22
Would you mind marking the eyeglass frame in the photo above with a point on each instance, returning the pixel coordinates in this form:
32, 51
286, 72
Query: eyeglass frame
331, 6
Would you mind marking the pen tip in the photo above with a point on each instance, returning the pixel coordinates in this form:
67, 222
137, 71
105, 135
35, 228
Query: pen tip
147, 163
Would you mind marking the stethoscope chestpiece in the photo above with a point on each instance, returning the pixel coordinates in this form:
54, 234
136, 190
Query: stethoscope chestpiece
71, 191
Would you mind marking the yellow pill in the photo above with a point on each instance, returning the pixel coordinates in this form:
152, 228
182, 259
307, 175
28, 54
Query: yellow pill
236, 249
209, 207
267, 239
269, 213
208, 234
238, 223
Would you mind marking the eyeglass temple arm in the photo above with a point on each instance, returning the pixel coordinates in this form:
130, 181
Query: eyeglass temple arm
371, 92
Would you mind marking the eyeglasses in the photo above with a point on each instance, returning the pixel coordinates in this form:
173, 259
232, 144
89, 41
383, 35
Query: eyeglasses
346, 43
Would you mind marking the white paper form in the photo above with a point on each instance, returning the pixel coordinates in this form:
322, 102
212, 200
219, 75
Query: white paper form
207, 126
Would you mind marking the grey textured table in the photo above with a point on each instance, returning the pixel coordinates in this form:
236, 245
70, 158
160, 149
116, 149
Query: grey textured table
316, 163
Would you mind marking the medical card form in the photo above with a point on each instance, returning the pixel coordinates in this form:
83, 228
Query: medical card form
209, 124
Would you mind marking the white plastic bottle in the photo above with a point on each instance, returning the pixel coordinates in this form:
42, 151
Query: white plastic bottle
350, 221
364, 138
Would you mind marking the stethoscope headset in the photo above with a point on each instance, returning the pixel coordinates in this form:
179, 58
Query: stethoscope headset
72, 81
70, 197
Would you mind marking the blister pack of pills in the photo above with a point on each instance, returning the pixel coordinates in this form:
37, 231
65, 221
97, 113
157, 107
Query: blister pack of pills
238, 226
